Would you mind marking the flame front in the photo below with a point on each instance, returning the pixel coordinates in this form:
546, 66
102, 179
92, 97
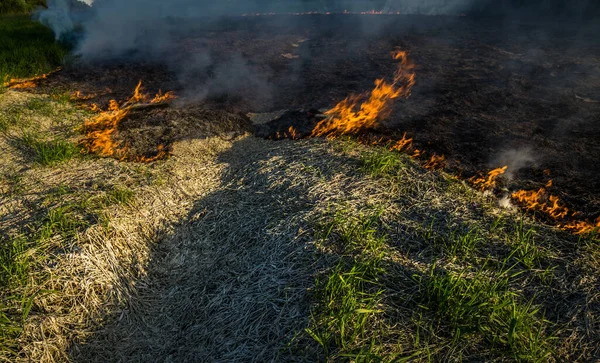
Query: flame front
348, 118
550, 205
539, 201
24, 83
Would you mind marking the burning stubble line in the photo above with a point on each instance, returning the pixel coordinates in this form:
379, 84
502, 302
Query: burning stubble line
16, 83
538, 201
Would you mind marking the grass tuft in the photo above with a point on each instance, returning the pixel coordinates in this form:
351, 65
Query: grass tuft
381, 162
120, 195
48, 153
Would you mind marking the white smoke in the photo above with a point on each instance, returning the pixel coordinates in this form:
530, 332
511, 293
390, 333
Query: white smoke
57, 17
515, 159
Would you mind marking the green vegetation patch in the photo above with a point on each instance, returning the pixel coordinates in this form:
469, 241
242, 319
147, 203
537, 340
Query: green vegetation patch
438, 273
48, 152
27, 48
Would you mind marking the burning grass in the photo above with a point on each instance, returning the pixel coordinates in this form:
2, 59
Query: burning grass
100, 130
347, 117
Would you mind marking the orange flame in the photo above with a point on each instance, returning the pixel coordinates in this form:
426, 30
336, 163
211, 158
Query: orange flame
293, 133
489, 182
581, 227
22, 83
538, 201
344, 118
100, 129
162, 97
402, 144
435, 162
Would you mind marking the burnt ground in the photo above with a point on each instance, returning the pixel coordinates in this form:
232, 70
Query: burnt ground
484, 87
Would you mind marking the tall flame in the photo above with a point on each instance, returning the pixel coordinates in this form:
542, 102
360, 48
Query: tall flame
345, 118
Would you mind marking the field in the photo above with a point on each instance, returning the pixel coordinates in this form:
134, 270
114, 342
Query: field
232, 243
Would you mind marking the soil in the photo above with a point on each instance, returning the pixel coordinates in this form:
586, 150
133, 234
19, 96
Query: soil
488, 92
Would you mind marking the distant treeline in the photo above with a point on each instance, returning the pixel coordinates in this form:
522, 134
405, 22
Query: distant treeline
19, 6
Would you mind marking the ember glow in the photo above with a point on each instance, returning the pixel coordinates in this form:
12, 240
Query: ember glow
347, 117
100, 129
489, 182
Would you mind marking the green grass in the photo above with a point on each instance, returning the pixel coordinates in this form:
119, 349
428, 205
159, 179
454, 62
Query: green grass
525, 249
27, 48
46, 152
349, 294
479, 305
456, 287
120, 195
61, 220
382, 162
14, 265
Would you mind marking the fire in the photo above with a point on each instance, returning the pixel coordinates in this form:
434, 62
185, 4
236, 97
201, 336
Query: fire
345, 118
489, 182
539, 201
162, 97
435, 162
402, 144
80, 96
100, 129
22, 83
293, 133
581, 227
99, 132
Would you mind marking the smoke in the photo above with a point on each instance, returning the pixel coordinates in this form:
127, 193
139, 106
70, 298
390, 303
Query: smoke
515, 159
57, 17
151, 29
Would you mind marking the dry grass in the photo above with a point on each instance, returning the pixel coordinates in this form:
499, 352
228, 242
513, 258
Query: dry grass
220, 254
